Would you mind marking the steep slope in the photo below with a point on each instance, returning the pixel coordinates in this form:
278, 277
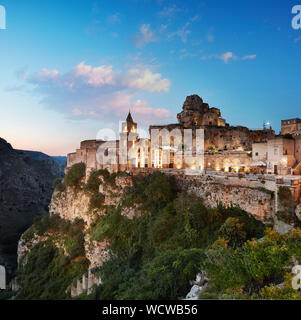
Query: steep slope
26, 186
36, 155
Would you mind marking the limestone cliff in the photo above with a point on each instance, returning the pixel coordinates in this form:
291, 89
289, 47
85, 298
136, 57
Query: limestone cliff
72, 204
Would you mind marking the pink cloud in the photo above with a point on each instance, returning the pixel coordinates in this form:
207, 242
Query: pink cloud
101, 92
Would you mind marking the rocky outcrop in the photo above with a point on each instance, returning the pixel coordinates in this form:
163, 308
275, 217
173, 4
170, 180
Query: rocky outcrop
258, 202
199, 286
72, 204
96, 251
196, 112
26, 186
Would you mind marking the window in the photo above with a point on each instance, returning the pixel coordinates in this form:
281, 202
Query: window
256, 154
275, 152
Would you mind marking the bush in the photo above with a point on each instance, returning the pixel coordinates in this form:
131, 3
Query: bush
59, 185
165, 277
96, 201
94, 182
233, 231
47, 273
249, 268
75, 174
286, 211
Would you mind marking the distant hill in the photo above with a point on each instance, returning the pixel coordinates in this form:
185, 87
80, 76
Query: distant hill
37, 155
60, 159
26, 187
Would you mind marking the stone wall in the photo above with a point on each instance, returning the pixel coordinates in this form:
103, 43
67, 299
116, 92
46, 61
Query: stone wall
250, 196
85, 284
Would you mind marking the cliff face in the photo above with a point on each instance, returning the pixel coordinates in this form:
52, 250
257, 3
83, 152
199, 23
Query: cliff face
26, 186
255, 200
134, 226
73, 204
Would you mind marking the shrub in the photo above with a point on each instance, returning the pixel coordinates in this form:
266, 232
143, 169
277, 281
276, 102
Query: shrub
96, 201
59, 185
286, 211
47, 273
233, 231
165, 277
75, 174
250, 267
94, 182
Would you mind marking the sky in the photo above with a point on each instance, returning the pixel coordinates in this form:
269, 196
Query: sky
70, 68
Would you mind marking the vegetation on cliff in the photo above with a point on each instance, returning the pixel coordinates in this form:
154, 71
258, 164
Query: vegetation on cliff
49, 268
156, 253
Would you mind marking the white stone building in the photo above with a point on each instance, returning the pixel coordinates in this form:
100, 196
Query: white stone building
278, 154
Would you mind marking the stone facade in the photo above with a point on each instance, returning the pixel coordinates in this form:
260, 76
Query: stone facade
291, 126
219, 137
281, 155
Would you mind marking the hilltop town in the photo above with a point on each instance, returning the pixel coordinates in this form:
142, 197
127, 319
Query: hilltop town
226, 148
218, 191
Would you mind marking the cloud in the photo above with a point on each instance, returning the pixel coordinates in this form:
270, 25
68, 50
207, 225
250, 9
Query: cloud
114, 18
227, 57
182, 33
140, 107
185, 54
99, 92
169, 12
144, 36
210, 36
249, 57
143, 79
45, 75
98, 76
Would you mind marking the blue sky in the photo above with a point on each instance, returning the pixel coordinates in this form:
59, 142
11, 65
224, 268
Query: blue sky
70, 68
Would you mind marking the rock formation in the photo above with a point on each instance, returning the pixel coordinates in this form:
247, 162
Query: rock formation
199, 286
197, 113
26, 186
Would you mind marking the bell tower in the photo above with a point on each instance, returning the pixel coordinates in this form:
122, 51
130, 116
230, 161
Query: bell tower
128, 140
129, 125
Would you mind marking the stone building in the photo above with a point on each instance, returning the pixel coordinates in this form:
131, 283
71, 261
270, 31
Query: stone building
281, 155
224, 147
291, 126
218, 134
116, 151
